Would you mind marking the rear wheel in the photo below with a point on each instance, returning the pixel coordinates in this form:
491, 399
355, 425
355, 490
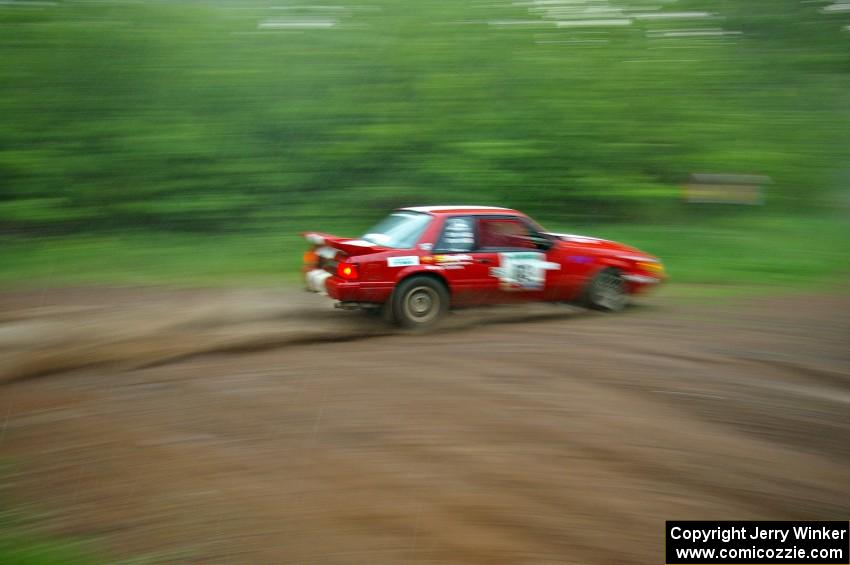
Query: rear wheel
606, 291
419, 302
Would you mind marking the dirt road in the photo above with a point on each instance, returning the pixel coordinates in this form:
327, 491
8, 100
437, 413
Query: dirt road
262, 426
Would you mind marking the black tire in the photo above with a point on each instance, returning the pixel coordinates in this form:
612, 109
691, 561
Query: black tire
606, 291
419, 302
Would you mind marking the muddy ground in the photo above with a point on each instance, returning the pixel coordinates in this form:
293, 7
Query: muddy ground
259, 425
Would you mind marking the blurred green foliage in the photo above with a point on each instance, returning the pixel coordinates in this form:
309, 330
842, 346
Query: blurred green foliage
231, 116
739, 253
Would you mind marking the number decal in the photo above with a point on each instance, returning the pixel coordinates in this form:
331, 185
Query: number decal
523, 274
523, 270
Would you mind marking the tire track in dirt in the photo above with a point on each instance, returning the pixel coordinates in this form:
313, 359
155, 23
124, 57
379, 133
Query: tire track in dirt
47, 340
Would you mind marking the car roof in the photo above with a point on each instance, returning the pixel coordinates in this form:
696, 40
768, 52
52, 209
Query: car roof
456, 209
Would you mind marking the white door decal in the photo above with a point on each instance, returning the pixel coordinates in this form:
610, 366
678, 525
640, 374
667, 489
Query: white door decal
523, 270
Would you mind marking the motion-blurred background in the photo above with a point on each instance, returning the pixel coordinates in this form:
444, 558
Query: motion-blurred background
189, 142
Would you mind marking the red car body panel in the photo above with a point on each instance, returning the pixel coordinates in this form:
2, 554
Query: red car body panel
479, 276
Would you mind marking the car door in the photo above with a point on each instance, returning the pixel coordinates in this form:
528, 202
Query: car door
465, 267
526, 266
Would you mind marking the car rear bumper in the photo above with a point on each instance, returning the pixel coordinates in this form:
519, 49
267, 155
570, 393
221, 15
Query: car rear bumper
356, 291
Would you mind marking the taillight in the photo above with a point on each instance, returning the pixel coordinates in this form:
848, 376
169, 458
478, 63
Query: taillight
347, 271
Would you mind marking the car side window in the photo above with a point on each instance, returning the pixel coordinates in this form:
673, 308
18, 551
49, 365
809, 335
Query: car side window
504, 232
458, 235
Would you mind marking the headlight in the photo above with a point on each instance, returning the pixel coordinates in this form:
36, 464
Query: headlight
651, 266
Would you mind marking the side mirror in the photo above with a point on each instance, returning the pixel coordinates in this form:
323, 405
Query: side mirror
541, 242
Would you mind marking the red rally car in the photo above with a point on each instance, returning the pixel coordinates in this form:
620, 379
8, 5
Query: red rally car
419, 262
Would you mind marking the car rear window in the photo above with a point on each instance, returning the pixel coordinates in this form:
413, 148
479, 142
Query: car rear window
399, 230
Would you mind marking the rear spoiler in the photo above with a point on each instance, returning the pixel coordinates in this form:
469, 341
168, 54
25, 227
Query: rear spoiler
317, 238
349, 246
353, 247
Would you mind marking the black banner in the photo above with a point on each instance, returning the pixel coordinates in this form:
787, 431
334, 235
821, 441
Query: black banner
758, 543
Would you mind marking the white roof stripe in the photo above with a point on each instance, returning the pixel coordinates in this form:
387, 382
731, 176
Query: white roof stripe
444, 208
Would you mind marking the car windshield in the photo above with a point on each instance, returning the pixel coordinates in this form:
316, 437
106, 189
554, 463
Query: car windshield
399, 230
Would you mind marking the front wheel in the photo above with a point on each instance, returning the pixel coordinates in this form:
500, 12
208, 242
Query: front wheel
606, 291
419, 302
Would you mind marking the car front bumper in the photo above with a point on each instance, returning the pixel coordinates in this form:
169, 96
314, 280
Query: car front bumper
638, 283
642, 279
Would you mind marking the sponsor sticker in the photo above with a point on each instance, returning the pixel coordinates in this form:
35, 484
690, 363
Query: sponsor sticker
457, 259
406, 261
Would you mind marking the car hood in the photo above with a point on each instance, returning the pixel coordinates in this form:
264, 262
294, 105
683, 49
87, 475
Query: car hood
602, 245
